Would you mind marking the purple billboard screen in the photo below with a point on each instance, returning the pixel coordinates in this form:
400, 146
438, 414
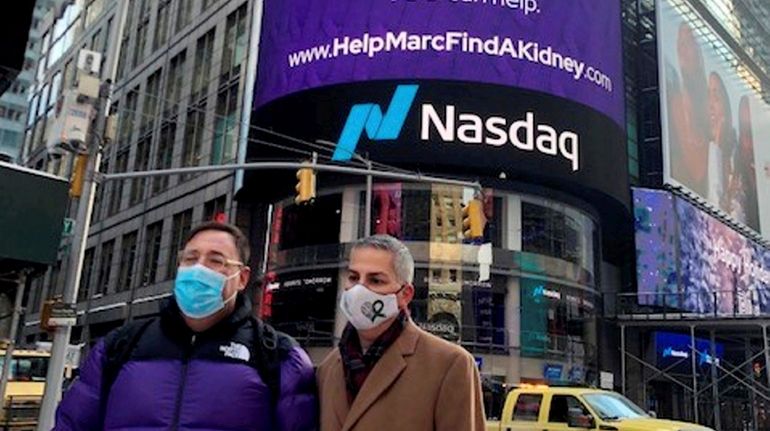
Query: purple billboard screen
691, 261
567, 49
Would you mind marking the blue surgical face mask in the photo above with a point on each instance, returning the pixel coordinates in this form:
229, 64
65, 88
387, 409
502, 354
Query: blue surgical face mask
198, 290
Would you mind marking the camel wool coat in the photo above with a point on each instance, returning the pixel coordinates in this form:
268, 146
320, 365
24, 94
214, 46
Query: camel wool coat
421, 383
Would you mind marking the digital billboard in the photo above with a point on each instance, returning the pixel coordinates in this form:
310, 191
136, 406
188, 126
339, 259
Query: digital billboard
690, 261
674, 352
453, 127
716, 128
567, 49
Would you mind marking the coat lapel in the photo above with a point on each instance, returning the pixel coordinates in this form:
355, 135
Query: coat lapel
339, 392
384, 374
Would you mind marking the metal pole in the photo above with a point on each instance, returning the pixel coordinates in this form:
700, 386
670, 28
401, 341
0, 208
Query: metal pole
714, 385
368, 216
693, 351
623, 358
767, 353
55, 375
416, 177
17, 310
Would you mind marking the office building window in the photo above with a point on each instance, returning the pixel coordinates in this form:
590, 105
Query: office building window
127, 258
141, 163
105, 267
151, 100
180, 227
161, 24
183, 14
201, 72
164, 157
225, 126
236, 43
174, 83
153, 237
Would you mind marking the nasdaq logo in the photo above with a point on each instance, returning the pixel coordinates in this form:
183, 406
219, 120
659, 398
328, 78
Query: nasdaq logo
368, 117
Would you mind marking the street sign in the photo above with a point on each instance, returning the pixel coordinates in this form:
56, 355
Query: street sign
69, 225
63, 315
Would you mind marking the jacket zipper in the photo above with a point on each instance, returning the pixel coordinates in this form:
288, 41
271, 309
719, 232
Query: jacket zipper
182, 383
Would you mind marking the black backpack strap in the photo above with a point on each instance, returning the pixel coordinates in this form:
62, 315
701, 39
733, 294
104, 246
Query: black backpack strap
271, 348
118, 348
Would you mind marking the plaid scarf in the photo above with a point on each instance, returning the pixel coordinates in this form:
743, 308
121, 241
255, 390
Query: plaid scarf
358, 364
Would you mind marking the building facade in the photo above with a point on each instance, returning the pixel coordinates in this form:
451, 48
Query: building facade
177, 102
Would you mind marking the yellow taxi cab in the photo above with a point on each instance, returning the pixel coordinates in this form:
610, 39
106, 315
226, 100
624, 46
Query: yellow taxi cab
24, 393
547, 408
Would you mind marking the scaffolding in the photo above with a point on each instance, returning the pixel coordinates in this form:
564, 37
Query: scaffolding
732, 393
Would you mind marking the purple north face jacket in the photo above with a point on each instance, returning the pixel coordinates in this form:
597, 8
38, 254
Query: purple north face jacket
176, 379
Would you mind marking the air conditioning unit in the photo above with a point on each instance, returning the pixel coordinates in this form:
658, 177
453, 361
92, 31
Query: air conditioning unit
90, 61
69, 131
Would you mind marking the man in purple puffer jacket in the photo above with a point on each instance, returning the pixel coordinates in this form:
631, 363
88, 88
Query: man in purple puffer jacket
202, 365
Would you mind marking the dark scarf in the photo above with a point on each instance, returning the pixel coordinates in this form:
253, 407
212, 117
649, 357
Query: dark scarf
358, 365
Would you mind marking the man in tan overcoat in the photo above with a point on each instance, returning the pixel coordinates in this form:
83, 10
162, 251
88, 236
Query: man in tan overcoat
387, 373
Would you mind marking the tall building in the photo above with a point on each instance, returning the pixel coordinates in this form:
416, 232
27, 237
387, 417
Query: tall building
14, 102
177, 102
694, 337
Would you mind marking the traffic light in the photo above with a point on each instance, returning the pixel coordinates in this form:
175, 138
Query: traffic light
474, 220
78, 175
305, 186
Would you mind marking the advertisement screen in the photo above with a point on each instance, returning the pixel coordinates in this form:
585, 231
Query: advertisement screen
674, 352
690, 261
570, 49
716, 129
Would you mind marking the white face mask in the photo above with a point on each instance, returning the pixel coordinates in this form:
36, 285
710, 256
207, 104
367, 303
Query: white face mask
366, 309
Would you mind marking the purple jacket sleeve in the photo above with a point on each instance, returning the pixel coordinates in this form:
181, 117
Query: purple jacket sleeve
80, 408
297, 408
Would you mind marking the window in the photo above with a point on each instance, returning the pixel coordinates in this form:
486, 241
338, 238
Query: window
179, 229
101, 188
161, 25
121, 165
151, 99
193, 137
203, 55
141, 41
235, 44
125, 134
183, 12
153, 237
550, 232
141, 163
105, 267
527, 407
127, 258
216, 210
174, 83
164, 156
206, 4
85, 277
122, 58
560, 407
226, 126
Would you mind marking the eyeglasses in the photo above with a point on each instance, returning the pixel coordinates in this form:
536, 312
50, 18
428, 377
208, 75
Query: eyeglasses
214, 261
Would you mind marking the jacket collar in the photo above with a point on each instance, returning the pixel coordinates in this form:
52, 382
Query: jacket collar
382, 377
171, 317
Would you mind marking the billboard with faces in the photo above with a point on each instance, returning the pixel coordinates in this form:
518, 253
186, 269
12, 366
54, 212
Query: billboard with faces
716, 127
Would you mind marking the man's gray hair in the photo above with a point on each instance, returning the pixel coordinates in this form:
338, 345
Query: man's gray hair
403, 262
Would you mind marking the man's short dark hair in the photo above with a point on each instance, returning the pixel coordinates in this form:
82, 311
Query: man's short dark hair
241, 242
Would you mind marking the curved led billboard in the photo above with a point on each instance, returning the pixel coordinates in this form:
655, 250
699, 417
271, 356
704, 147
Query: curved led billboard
716, 127
570, 49
451, 127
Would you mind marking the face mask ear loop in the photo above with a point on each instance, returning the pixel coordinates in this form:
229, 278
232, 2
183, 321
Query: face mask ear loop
228, 279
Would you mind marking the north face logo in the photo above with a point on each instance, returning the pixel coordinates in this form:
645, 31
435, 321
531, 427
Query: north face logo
368, 117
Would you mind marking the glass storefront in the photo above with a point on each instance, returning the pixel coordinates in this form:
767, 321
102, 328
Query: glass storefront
534, 297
